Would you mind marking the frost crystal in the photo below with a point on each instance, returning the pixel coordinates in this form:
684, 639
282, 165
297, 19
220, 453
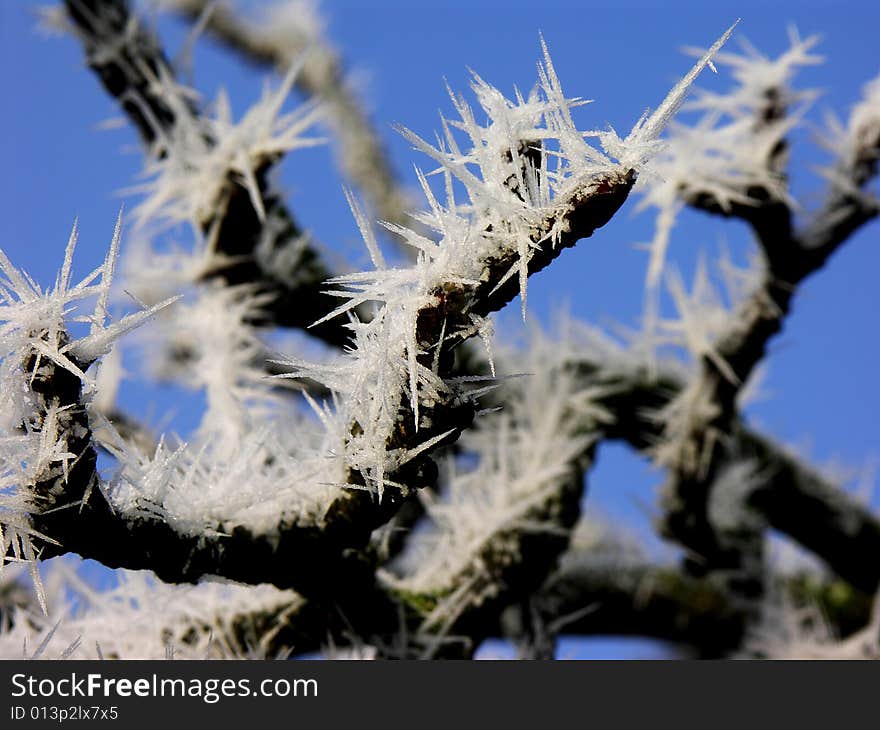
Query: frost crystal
854, 145
522, 172
527, 452
37, 428
789, 631
143, 618
194, 160
731, 148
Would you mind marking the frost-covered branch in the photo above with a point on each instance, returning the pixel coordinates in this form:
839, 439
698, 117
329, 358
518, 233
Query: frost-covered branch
55, 502
47, 458
288, 30
394, 404
848, 204
287, 494
786, 494
128, 61
534, 187
790, 496
494, 531
213, 174
751, 185
143, 618
732, 161
316, 490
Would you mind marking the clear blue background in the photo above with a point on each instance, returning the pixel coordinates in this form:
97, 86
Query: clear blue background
821, 372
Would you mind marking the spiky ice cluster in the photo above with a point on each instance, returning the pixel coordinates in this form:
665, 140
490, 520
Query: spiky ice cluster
729, 150
193, 160
143, 618
527, 451
41, 433
522, 172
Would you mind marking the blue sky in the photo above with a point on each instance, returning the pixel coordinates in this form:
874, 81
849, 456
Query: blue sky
820, 376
